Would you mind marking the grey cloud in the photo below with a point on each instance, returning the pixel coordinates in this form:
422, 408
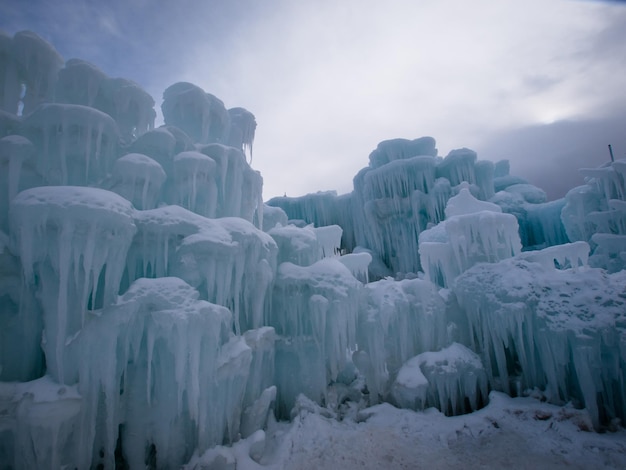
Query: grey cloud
537, 83
549, 156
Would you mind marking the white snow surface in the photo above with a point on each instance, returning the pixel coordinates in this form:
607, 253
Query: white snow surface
509, 432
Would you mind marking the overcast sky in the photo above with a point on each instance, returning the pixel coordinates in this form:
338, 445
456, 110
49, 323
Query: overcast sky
541, 82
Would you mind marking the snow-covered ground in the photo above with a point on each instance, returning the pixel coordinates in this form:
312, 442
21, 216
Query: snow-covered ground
523, 433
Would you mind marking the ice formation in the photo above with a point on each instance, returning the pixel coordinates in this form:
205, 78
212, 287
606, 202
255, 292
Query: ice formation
72, 243
474, 231
559, 330
153, 309
452, 380
399, 319
138, 178
315, 313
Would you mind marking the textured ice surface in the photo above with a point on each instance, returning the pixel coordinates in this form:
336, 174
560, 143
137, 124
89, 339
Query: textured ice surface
474, 231
34, 63
77, 144
199, 114
72, 243
147, 361
399, 320
16, 172
194, 184
239, 188
609, 252
562, 330
241, 131
139, 179
452, 380
40, 419
397, 149
458, 166
358, 264
151, 325
79, 82
228, 260
315, 312
272, 217
296, 245
21, 357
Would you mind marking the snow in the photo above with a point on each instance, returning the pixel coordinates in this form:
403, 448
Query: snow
507, 432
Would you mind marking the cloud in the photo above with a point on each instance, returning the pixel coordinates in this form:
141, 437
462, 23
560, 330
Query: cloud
550, 156
328, 80
327, 84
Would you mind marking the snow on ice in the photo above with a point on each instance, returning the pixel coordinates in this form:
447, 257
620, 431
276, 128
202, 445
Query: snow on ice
156, 313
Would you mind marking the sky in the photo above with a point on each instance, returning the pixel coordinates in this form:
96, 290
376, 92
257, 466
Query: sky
539, 82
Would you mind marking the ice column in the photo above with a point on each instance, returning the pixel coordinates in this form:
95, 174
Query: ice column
77, 144
16, 171
474, 231
79, 83
399, 320
314, 311
452, 380
242, 127
37, 64
194, 185
72, 243
138, 178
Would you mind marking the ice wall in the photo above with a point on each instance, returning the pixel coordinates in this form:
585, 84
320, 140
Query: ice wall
72, 243
398, 320
151, 309
315, 313
474, 231
404, 191
596, 213
132, 108
30, 72
557, 329
77, 145
104, 224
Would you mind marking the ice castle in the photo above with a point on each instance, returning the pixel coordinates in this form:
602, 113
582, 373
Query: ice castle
152, 306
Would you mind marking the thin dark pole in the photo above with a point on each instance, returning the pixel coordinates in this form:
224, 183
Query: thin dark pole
611, 153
